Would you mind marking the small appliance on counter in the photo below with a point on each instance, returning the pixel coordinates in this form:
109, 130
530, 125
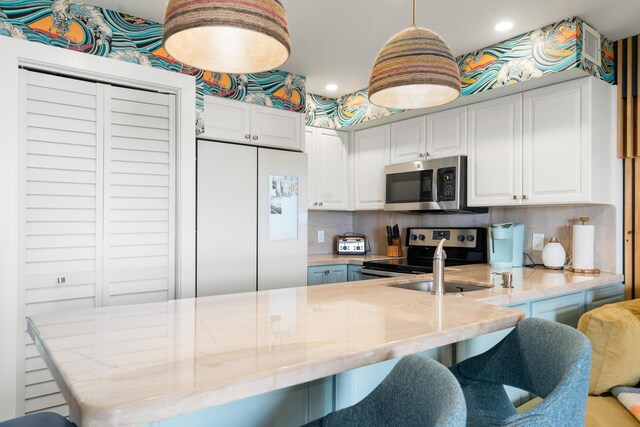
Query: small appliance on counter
351, 244
553, 255
506, 245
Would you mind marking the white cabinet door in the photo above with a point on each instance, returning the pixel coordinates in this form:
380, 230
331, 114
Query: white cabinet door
371, 155
61, 224
139, 203
408, 140
556, 146
333, 169
282, 257
311, 148
447, 133
227, 206
495, 152
227, 120
276, 128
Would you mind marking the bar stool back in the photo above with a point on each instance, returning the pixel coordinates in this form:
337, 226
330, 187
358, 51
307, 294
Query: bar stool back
548, 359
418, 392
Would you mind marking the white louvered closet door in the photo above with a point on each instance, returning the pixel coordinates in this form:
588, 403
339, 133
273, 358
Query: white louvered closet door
139, 204
62, 231
99, 210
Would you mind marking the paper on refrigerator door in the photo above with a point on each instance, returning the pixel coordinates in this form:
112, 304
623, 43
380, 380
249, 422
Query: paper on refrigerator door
283, 207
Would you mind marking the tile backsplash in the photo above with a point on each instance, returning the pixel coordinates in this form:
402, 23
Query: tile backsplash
554, 221
333, 224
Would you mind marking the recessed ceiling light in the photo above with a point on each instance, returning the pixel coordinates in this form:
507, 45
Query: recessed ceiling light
503, 26
331, 87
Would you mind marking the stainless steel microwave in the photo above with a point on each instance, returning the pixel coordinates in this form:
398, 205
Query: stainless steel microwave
437, 185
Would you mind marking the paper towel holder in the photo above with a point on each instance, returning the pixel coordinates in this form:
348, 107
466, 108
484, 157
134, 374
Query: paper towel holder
594, 271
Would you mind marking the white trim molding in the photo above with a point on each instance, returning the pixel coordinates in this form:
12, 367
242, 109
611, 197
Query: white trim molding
19, 53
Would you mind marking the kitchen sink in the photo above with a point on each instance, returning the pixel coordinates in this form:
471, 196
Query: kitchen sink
449, 287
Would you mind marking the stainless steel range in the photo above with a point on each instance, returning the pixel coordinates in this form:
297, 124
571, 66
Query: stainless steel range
463, 246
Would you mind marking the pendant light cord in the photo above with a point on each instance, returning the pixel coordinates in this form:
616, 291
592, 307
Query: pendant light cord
414, 13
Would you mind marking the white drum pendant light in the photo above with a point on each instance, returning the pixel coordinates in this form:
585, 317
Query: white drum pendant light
414, 69
229, 36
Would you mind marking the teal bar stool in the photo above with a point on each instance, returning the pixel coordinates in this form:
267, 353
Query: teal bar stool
418, 392
545, 358
41, 419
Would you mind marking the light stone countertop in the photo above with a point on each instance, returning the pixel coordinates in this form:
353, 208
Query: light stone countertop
143, 363
215, 350
334, 259
528, 283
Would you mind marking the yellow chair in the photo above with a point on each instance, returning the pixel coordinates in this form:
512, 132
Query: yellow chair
614, 332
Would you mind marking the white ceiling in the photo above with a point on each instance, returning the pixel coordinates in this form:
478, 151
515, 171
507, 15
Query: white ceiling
336, 41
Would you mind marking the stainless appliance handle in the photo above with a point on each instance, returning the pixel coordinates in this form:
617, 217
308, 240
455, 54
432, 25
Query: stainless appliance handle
380, 273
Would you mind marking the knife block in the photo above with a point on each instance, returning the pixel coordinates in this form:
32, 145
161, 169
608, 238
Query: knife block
396, 248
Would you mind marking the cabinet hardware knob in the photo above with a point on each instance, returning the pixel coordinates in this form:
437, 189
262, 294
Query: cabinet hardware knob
427, 154
515, 197
61, 280
315, 203
247, 136
255, 137
326, 272
525, 197
320, 204
420, 154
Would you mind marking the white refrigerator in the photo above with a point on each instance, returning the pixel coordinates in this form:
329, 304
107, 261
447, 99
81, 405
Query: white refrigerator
251, 218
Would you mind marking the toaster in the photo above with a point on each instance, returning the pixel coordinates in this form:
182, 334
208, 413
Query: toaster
351, 245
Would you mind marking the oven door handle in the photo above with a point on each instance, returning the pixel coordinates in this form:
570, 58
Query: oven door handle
380, 273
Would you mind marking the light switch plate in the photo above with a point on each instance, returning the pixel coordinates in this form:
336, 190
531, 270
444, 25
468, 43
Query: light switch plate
537, 241
320, 236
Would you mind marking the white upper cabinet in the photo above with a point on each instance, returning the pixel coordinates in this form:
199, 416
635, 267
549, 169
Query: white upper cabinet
553, 145
311, 148
276, 128
408, 140
235, 121
227, 120
495, 152
328, 152
432, 136
371, 154
447, 133
568, 143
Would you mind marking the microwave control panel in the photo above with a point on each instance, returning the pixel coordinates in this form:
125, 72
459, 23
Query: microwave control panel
447, 184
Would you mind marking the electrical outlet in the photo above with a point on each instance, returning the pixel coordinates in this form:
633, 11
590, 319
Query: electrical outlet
537, 241
320, 236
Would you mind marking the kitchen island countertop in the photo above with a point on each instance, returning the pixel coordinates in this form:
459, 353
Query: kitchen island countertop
143, 363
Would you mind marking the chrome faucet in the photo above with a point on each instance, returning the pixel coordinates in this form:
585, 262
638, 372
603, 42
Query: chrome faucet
438, 269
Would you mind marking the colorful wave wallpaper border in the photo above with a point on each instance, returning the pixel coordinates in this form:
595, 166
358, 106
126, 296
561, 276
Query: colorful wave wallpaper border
554, 48
75, 25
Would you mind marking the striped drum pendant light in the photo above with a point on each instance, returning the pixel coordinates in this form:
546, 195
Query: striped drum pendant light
230, 36
414, 69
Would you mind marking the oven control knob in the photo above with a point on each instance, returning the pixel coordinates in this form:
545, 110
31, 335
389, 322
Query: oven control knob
471, 238
421, 236
414, 237
344, 247
460, 238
